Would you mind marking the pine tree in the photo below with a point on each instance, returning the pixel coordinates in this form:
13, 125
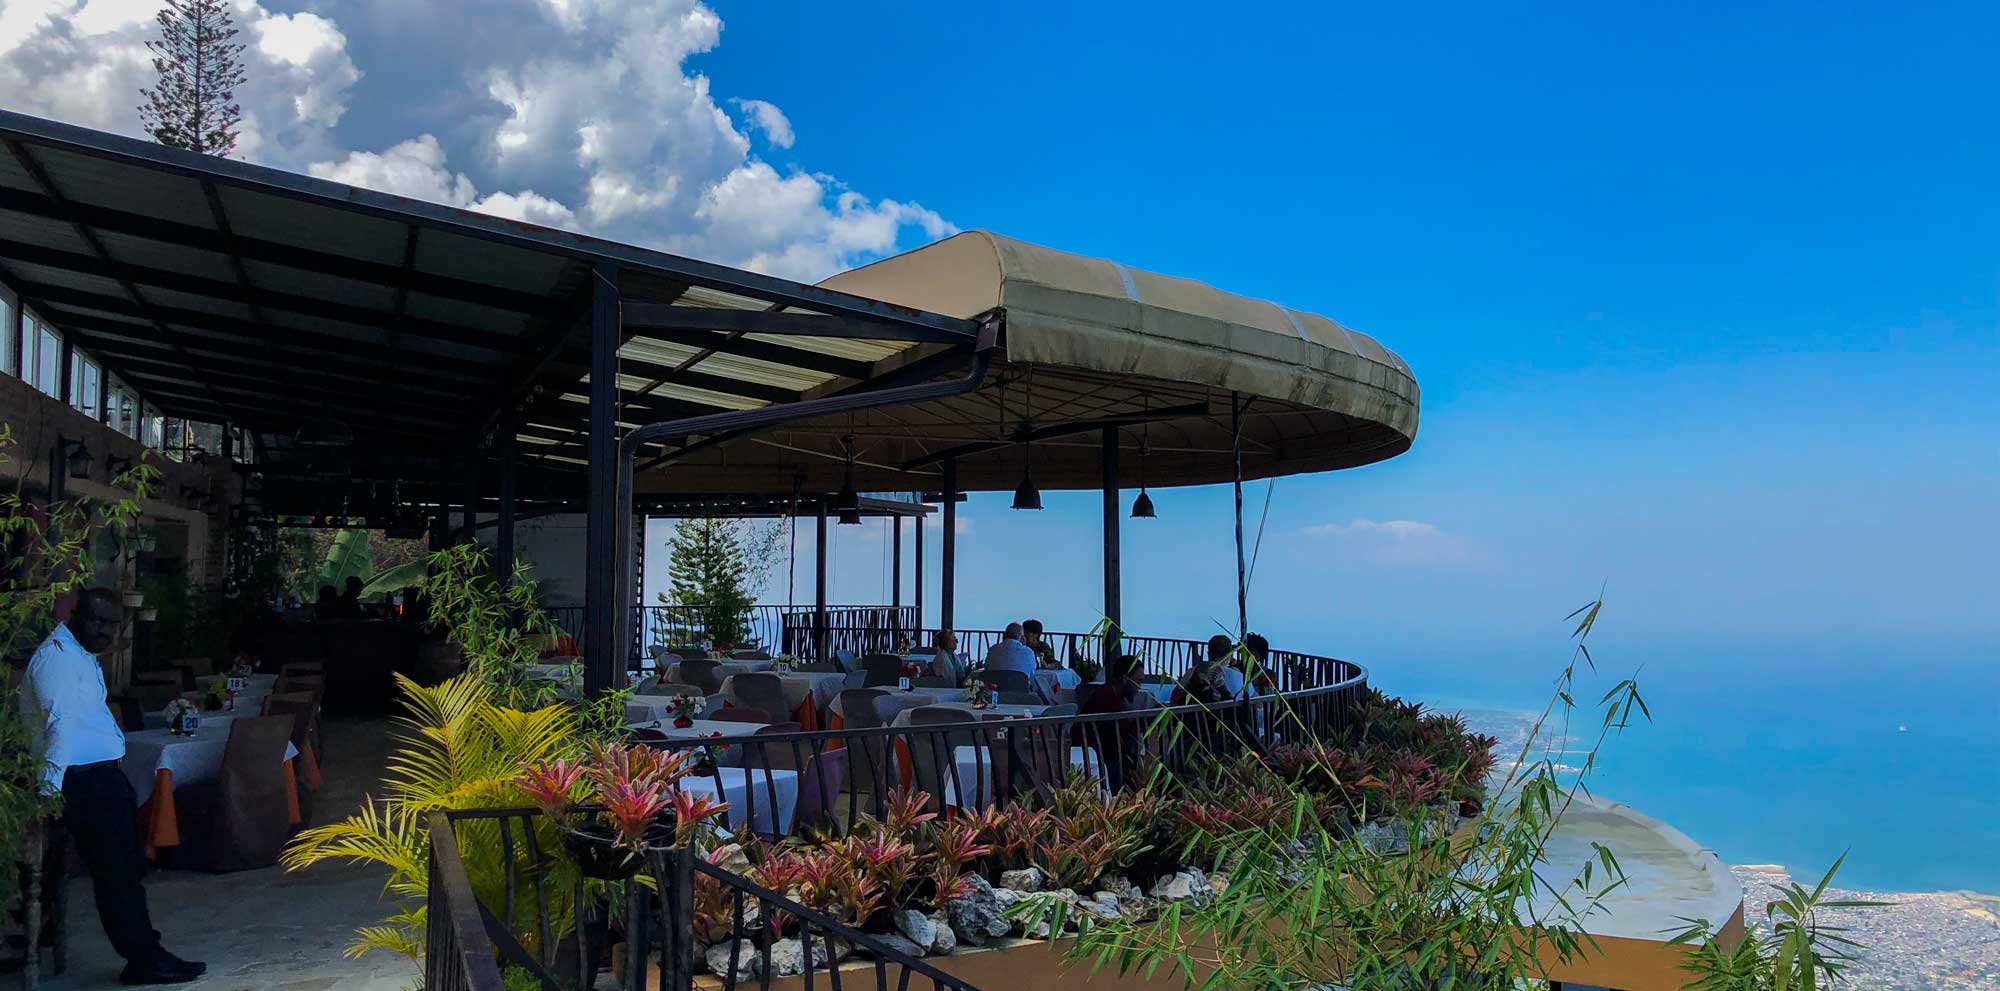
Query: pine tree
709, 568
199, 62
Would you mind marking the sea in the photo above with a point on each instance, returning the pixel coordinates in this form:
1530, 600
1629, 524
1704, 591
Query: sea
1789, 758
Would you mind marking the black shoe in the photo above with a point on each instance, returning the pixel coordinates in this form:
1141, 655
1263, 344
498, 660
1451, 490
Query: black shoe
163, 969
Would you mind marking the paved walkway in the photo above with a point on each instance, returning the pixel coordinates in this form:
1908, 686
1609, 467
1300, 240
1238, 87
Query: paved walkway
266, 930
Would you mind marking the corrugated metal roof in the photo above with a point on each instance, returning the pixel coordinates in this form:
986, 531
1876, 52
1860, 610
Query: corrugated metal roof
418, 325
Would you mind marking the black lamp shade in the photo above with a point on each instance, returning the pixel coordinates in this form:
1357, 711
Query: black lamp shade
846, 500
1142, 507
850, 517
1026, 496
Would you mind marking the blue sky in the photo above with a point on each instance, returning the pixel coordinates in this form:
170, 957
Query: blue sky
1702, 301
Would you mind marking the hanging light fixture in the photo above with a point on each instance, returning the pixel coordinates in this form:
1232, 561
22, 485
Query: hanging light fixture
1142, 507
79, 460
1026, 496
847, 502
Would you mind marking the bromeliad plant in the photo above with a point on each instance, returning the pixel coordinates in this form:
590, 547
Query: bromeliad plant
619, 802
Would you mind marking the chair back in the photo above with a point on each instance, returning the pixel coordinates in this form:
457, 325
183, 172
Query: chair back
311, 668
669, 688
740, 714
313, 683
862, 708
880, 670
703, 673
933, 756
1061, 709
845, 658
252, 821
1021, 698
153, 696
820, 786
760, 690
1009, 681
198, 666
935, 681
757, 654
820, 667
644, 682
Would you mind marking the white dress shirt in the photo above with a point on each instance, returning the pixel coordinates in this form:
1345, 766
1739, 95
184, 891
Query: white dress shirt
78, 727
1012, 655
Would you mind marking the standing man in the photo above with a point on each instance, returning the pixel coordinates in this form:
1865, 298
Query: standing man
84, 746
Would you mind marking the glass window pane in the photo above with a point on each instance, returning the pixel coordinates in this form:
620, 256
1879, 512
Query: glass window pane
49, 361
10, 341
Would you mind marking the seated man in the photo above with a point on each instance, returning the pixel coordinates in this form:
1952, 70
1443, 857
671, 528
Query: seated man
1120, 743
1045, 655
1010, 654
1213, 680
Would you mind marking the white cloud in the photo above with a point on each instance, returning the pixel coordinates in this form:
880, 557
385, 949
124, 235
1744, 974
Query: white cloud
85, 61
586, 111
1395, 542
776, 126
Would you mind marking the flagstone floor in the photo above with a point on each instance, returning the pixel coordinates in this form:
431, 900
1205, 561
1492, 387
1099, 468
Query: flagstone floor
265, 930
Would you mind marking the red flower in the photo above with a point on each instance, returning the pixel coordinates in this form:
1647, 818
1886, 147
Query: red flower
550, 784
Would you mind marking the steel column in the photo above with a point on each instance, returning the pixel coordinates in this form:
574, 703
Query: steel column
470, 518
604, 541
503, 538
948, 572
820, 631
921, 522
1113, 580
1236, 455
896, 568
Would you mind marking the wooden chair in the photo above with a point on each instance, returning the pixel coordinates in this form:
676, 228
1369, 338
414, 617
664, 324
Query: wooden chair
741, 714
239, 821
882, 670
703, 673
760, 691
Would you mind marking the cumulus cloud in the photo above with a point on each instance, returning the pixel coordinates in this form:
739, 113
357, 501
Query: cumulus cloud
776, 126
85, 61
1395, 542
586, 114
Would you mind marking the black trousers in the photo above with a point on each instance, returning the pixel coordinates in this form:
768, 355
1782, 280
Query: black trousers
102, 816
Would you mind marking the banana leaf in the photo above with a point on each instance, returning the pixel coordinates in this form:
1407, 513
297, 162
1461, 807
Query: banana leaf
348, 556
393, 579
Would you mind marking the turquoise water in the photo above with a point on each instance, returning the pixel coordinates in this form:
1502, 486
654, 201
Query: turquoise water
1789, 757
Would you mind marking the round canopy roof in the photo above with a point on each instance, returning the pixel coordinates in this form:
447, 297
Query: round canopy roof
1089, 345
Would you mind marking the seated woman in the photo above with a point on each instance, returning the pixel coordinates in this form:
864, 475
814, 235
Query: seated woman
946, 663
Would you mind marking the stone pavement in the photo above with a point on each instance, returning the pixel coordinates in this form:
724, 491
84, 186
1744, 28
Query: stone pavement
266, 930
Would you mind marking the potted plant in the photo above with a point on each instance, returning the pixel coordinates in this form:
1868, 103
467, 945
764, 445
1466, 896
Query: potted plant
630, 806
684, 708
183, 717
134, 599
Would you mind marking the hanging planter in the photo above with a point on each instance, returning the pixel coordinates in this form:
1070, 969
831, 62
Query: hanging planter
148, 615
134, 600
593, 844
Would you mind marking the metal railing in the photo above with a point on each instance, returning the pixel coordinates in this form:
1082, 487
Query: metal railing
777, 628
779, 784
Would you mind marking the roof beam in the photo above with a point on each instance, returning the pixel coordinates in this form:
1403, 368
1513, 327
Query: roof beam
777, 354
331, 398
213, 324
660, 374
1055, 430
66, 211
347, 313
112, 337
643, 317
276, 253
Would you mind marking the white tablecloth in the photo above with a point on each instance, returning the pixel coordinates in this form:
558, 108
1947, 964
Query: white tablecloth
1051, 679
1009, 711
1162, 690
653, 708
735, 785
704, 727
726, 668
821, 685
975, 773
192, 759
900, 700
250, 698
568, 671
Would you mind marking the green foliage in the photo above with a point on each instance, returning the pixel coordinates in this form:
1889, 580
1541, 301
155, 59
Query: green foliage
50, 548
199, 63
347, 556
1408, 904
189, 623
1793, 951
458, 750
718, 567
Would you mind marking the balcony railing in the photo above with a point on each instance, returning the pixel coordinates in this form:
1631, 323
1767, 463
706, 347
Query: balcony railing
794, 783
777, 628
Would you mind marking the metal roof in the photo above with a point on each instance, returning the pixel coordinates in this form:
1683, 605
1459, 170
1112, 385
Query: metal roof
228, 292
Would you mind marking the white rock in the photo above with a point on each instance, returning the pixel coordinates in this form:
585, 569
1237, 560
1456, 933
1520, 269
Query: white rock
1138, 909
1177, 888
787, 958
917, 926
748, 963
1118, 885
1025, 879
1007, 897
1218, 883
901, 945
944, 941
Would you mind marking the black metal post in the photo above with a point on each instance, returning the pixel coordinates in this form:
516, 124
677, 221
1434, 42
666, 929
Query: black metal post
1236, 453
66, 386
948, 571
470, 518
604, 539
1113, 580
921, 521
820, 631
896, 570
503, 538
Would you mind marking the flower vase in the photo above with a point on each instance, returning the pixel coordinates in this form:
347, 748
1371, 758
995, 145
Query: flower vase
683, 722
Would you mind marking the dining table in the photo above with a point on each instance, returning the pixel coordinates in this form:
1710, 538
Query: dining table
806, 693
257, 687
698, 728
726, 667
156, 762
776, 795
642, 709
1004, 711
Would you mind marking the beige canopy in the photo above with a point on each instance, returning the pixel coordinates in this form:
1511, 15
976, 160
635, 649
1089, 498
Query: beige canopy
1091, 344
